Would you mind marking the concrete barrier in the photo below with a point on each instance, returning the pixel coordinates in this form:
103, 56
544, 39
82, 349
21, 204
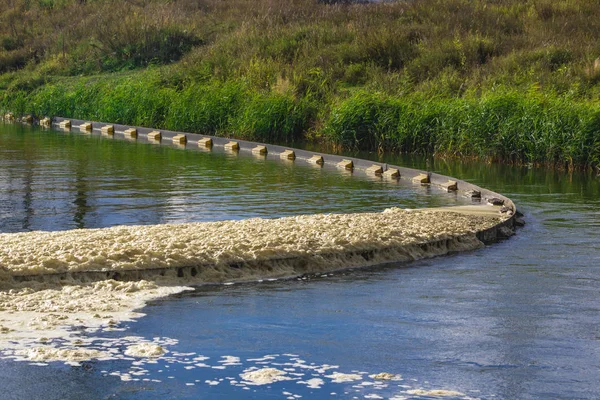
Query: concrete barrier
232, 146
491, 203
154, 135
274, 151
375, 170
346, 164
350, 164
392, 173
260, 149
316, 159
65, 123
108, 130
424, 178
130, 133
205, 142
180, 139
450, 186
288, 155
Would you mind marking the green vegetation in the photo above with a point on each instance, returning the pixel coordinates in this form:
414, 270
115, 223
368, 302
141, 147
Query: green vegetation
501, 80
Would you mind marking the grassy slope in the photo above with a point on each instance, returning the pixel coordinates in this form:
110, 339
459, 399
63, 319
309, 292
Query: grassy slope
500, 79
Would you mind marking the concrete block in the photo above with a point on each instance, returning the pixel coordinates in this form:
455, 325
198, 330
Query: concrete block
288, 155
86, 126
9, 117
28, 119
180, 139
155, 135
392, 173
205, 142
108, 129
346, 164
473, 194
65, 123
316, 159
45, 122
232, 146
374, 170
494, 201
422, 178
130, 133
451, 186
260, 150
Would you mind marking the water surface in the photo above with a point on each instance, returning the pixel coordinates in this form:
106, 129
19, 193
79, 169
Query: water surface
53, 180
516, 320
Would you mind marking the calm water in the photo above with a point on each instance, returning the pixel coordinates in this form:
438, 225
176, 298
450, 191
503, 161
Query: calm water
57, 180
516, 320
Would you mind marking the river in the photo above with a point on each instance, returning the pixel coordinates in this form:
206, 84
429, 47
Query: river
515, 320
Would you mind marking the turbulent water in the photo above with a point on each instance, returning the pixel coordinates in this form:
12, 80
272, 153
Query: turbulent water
515, 320
223, 243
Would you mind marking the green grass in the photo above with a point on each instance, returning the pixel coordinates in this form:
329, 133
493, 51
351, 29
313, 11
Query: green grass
501, 80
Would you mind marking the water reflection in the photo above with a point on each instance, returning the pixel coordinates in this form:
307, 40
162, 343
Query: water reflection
81, 189
75, 180
27, 194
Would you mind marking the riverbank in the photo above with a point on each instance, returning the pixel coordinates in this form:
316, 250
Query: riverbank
510, 128
513, 82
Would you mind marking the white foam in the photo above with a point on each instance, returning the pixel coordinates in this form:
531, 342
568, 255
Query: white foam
314, 383
48, 353
32, 312
145, 350
264, 376
225, 242
385, 376
339, 377
435, 393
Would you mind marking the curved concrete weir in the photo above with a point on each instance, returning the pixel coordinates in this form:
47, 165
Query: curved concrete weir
251, 249
241, 249
96, 278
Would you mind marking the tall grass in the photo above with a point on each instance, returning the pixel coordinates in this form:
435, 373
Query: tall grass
216, 108
509, 127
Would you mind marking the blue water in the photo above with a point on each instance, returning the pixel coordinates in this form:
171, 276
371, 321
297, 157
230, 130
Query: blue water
515, 320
